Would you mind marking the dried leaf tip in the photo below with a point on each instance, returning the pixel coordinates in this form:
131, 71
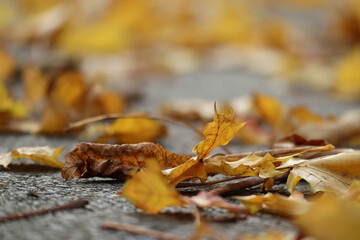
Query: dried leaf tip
218, 132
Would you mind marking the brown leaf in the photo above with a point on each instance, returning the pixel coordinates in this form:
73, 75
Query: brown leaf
106, 160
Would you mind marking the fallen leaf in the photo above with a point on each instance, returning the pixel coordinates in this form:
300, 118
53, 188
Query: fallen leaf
270, 110
347, 82
205, 200
5, 159
7, 64
128, 130
44, 155
302, 115
149, 190
9, 107
191, 169
106, 160
329, 173
32, 76
331, 218
69, 89
107, 102
216, 133
251, 165
292, 206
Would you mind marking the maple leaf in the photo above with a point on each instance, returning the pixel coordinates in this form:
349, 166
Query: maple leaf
106, 160
329, 173
149, 190
218, 132
44, 155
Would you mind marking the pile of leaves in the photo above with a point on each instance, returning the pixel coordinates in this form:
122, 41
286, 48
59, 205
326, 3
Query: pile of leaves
153, 173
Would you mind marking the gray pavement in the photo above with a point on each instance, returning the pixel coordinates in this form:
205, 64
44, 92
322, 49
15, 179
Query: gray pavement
23, 190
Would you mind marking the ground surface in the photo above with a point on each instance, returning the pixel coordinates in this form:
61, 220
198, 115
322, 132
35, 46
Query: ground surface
22, 190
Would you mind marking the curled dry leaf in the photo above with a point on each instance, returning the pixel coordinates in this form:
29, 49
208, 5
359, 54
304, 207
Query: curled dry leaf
44, 155
149, 190
107, 160
276, 204
329, 173
251, 165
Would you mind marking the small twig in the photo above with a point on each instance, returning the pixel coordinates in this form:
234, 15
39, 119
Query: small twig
227, 189
98, 118
141, 231
181, 185
275, 152
70, 205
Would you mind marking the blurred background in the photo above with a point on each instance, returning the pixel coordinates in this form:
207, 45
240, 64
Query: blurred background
66, 60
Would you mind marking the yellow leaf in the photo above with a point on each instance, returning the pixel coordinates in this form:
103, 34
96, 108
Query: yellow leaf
270, 110
302, 115
34, 77
70, 90
191, 169
44, 155
251, 165
132, 130
149, 190
218, 132
331, 219
7, 64
347, 81
276, 204
13, 108
108, 102
330, 173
